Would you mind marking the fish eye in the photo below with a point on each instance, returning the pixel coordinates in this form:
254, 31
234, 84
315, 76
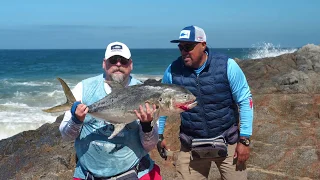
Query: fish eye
160, 99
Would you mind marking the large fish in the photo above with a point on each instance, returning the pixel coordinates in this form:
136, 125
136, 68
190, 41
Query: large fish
118, 107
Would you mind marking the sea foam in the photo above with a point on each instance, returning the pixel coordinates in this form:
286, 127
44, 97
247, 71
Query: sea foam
263, 50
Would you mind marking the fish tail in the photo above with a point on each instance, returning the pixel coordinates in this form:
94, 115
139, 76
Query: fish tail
70, 99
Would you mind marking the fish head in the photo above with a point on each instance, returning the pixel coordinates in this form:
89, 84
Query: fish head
175, 100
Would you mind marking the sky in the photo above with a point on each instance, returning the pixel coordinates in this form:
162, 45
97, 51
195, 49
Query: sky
82, 24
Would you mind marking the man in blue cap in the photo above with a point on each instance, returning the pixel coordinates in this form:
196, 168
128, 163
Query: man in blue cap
210, 131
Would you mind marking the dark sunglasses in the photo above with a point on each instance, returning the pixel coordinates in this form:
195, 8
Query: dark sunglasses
187, 47
115, 59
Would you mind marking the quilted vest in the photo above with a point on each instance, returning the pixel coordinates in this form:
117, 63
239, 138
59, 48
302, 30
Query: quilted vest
216, 111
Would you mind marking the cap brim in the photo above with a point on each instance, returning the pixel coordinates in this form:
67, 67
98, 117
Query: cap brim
117, 54
175, 41
181, 40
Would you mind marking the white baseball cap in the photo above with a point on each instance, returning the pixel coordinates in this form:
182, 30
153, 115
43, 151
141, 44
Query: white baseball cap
117, 48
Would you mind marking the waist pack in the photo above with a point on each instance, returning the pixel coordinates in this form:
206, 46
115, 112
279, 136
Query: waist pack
211, 147
129, 175
132, 174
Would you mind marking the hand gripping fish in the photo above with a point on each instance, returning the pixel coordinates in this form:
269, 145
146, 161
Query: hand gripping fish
118, 107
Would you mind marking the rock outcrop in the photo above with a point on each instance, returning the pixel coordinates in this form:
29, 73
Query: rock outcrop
285, 141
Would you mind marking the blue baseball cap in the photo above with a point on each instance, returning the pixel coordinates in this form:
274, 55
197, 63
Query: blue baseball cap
191, 34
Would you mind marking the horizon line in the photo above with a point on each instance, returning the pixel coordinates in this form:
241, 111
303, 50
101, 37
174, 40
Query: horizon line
130, 48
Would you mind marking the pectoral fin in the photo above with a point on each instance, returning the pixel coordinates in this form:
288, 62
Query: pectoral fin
117, 129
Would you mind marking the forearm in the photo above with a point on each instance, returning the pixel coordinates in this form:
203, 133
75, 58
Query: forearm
149, 139
242, 96
161, 123
69, 129
246, 117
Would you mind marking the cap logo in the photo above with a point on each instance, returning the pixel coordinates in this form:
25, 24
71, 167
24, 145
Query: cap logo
200, 38
116, 47
184, 34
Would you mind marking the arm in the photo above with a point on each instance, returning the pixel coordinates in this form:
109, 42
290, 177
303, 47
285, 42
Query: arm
161, 145
242, 96
166, 79
148, 139
70, 127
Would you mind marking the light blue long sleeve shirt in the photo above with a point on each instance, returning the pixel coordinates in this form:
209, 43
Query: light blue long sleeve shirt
240, 93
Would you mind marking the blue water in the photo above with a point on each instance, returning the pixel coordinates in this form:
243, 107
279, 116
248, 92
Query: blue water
28, 78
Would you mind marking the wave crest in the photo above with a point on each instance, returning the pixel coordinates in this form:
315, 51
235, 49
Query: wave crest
263, 50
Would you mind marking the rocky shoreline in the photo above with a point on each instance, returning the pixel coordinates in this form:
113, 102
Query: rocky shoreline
285, 141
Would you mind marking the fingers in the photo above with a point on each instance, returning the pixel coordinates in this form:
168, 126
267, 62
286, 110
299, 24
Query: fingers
81, 108
145, 115
164, 144
240, 159
243, 158
147, 108
81, 111
149, 112
242, 154
161, 150
154, 108
137, 114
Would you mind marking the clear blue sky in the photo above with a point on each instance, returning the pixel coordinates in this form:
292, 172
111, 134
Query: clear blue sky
57, 24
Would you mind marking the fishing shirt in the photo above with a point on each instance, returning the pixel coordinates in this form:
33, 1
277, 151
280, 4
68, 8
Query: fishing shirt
97, 154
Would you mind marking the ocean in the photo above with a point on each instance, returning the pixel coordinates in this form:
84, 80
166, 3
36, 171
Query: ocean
28, 81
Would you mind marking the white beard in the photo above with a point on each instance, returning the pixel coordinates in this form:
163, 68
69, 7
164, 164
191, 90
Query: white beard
119, 78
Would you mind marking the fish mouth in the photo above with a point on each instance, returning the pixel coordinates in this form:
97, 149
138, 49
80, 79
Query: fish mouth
189, 105
192, 105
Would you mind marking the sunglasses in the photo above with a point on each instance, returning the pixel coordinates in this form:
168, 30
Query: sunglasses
187, 47
115, 59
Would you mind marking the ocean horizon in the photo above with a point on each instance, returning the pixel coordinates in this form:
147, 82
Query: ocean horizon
28, 81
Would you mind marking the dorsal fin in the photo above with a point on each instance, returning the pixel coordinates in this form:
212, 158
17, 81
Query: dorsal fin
151, 82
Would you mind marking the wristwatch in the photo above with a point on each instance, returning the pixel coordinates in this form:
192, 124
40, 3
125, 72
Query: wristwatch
244, 141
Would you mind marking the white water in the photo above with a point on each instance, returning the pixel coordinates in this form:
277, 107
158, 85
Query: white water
263, 50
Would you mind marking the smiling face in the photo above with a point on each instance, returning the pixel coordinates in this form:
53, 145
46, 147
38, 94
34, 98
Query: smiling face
193, 53
117, 69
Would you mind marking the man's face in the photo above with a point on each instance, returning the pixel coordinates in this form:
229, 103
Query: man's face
192, 53
117, 68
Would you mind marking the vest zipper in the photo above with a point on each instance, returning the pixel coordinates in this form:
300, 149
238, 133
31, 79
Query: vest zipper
202, 105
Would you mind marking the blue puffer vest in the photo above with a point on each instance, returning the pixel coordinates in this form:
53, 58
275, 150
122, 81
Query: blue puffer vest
216, 110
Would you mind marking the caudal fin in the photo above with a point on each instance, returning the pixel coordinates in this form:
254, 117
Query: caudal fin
70, 99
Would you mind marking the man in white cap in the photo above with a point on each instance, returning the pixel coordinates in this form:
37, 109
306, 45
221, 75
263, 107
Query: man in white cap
126, 155
209, 132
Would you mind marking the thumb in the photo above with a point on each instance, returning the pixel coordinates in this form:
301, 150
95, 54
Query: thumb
164, 144
235, 155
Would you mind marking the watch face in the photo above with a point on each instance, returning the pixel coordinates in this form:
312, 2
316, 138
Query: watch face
245, 142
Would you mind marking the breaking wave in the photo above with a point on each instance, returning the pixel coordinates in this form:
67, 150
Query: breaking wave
263, 50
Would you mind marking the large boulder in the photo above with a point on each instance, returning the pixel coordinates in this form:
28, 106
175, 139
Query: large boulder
37, 154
